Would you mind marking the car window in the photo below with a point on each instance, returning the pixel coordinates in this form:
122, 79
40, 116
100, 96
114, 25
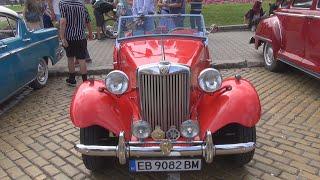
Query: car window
13, 24
302, 3
318, 4
7, 27
285, 3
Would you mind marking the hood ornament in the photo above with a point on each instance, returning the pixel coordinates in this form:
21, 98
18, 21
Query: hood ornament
166, 146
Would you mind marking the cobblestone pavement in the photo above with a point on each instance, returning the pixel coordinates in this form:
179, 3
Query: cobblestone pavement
37, 137
226, 48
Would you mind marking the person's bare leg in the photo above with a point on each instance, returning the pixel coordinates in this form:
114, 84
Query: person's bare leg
72, 74
99, 30
71, 65
83, 69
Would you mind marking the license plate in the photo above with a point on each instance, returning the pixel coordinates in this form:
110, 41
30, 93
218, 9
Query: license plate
165, 165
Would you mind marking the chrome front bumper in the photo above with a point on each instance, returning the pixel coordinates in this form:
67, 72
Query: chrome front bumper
125, 150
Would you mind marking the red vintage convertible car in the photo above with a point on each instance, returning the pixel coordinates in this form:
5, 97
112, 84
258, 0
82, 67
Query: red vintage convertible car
164, 107
292, 37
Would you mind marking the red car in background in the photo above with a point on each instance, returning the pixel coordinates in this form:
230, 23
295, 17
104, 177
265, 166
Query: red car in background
292, 36
164, 107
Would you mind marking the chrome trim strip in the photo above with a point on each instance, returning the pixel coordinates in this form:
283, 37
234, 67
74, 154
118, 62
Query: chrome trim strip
161, 35
26, 47
134, 143
314, 74
124, 151
297, 15
263, 38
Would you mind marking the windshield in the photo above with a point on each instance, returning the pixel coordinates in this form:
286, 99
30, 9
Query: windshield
155, 25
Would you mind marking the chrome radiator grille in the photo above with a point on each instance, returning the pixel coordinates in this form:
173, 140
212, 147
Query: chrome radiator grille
164, 98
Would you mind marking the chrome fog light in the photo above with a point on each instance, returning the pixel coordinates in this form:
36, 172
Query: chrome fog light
117, 82
189, 129
210, 80
141, 129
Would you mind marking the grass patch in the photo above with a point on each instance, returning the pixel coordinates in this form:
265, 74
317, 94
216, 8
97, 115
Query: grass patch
227, 14
220, 14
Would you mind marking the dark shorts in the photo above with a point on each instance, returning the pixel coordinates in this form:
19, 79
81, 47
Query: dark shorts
99, 18
77, 48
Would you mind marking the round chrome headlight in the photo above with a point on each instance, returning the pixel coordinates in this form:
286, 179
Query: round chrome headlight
117, 82
210, 80
189, 129
141, 129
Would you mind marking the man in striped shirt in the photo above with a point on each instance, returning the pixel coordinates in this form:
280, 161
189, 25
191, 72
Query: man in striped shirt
74, 19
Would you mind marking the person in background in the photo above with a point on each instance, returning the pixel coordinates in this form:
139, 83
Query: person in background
33, 15
100, 7
74, 19
166, 22
124, 8
55, 12
274, 7
144, 7
177, 7
47, 22
254, 15
195, 8
163, 6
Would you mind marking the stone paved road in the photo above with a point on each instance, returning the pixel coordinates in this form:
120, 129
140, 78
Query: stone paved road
37, 137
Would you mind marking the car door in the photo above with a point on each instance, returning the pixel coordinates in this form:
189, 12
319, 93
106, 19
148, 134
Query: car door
8, 61
312, 50
294, 29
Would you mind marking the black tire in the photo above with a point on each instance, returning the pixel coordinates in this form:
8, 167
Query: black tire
110, 28
42, 75
244, 134
235, 133
96, 135
270, 62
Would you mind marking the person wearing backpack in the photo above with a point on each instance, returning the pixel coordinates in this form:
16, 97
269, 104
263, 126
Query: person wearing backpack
100, 7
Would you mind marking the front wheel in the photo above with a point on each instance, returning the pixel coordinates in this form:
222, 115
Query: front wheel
235, 133
270, 62
96, 135
42, 75
244, 134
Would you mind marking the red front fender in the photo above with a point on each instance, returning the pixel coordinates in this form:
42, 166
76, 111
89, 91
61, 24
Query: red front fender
240, 105
91, 107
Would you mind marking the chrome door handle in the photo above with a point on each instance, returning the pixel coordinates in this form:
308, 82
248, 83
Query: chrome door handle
3, 46
26, 40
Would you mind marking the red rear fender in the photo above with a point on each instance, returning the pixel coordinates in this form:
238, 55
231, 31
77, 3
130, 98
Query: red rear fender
91, 107
240, 105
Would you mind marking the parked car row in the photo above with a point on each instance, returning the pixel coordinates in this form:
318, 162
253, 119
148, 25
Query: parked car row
24, 55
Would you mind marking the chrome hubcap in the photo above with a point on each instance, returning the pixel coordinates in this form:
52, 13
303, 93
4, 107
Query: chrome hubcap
42, 75
268, 55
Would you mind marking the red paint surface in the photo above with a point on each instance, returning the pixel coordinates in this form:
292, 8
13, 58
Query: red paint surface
294, 36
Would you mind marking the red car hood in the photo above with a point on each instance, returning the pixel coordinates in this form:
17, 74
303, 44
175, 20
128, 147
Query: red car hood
177, 50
